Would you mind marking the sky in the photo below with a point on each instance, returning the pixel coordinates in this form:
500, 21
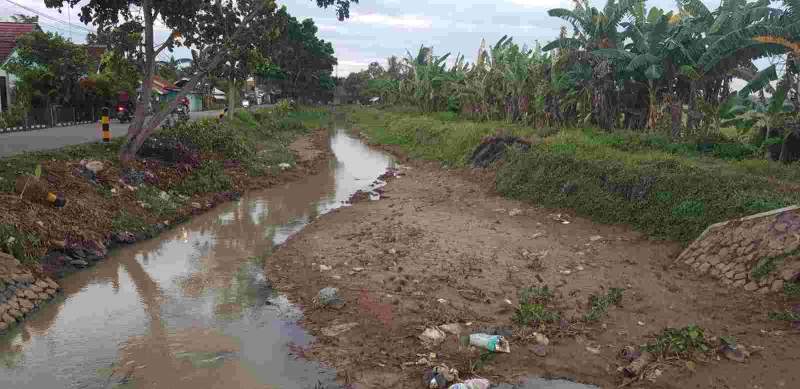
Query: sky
378, 29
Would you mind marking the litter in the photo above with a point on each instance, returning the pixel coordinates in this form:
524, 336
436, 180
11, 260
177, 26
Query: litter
495, 343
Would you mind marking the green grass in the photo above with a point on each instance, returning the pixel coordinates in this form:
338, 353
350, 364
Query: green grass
681, 342
600, 304
768, 265
159, 202
15, 242
125, 222
533, 307
209, 177
784, 316
791, 289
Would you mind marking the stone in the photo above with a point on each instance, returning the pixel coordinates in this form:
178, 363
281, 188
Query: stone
79, 263
777, 286
721, 267
25, 310
724, 253
791, 271
690, 260
43, 296
52, 283
715, 259
704, 268
36, 288
4, 308
7, 318
738, 283
726, 281
13, 303
3, 326
94, 166
16, 313
763, 282
539, 350
715, 272
730, 274
751, 286
30, 294
740, 276
51, 292
24, 278
25, 304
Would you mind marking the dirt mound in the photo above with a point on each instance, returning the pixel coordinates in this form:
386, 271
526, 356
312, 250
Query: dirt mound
493, 148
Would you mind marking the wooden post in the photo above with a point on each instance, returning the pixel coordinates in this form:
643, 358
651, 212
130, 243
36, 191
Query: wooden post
104, 120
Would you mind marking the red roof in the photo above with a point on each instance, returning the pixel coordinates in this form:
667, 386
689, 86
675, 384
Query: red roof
9, 32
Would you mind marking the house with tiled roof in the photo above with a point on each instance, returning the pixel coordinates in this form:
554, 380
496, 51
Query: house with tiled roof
9, 32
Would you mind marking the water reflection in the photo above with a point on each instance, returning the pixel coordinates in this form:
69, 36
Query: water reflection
192, 309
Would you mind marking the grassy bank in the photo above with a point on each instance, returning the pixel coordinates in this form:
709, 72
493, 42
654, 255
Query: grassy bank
666, 189
182, 170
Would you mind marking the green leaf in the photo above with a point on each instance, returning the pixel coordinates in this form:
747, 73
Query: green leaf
653, 72
759, 81
38, 172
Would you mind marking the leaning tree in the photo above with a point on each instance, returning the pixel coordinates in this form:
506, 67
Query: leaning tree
194, 23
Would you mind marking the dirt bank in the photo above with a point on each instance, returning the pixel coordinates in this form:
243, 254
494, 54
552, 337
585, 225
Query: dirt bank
442, 247
81, 233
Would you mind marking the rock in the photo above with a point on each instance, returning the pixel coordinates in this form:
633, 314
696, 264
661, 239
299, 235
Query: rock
42, 284
30, 295
593, 350
777, 286
3, 326
751, 286
36, 288
51, 292
51, 283
336, 330
13, 303
15, 313
541, 339
791, 272
25, 310
539, 350
94, 166
25, 278
329, 297
196, 205
515, 212
734, 353
7, 318
4, 308
324, 268
43, 296
79, 263
740, 276
25, 304
432, 336
595, 238
704, 268
452, 328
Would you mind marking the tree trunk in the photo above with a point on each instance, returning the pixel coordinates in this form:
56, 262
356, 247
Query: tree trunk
137, 131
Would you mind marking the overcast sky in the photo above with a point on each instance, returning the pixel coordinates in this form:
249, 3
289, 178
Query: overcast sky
378, 29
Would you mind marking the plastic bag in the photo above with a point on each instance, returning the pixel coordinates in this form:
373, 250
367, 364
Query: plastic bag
495, 343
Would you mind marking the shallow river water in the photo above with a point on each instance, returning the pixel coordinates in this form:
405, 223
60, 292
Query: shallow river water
192, 308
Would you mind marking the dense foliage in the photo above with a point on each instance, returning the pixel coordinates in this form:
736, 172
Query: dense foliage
622, 66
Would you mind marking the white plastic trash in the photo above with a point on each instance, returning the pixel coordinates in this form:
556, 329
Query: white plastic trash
494, 343
475, 383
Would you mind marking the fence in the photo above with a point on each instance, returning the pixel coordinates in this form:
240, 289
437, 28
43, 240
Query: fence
56, 116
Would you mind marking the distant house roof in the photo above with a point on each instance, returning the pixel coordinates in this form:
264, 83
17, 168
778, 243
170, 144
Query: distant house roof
9, 32
162, 86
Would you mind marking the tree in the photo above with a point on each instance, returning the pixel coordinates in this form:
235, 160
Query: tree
193, 23
49, 67
20, 18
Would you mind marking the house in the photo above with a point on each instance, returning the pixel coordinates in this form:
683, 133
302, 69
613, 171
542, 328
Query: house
9, 32
195, 96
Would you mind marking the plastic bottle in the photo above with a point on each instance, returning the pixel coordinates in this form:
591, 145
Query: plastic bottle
475, 383
495, 343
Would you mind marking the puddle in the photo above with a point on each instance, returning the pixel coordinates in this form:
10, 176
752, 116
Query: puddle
192, 308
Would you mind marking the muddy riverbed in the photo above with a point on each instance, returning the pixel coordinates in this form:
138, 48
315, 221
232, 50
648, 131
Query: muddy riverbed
193, 307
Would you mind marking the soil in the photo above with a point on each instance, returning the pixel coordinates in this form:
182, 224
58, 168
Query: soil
442, 247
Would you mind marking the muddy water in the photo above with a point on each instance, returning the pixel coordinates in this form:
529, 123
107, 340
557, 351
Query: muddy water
191, 309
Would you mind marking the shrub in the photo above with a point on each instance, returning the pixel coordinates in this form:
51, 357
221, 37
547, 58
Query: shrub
210, 177
14, 242
600, 304
211, 136
681, 342
159, 202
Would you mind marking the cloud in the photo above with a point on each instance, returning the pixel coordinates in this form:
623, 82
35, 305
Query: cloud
545, 4
405, 21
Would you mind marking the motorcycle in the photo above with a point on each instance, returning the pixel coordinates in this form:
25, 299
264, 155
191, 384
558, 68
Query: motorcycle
123, 114
182, 110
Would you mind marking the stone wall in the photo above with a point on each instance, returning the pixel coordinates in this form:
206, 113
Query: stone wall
20, 291
759, 252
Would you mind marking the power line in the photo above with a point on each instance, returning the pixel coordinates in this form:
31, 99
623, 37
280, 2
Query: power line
48, 16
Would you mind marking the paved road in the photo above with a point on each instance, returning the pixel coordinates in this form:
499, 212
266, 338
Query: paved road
53, 138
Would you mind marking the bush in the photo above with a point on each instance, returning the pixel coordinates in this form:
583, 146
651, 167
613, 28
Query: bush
159, 202
210, 177
14, 242
210, 136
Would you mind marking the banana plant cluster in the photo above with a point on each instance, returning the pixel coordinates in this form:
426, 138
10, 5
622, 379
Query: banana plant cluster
622, 66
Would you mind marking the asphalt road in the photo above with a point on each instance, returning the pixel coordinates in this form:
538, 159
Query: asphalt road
53, 138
